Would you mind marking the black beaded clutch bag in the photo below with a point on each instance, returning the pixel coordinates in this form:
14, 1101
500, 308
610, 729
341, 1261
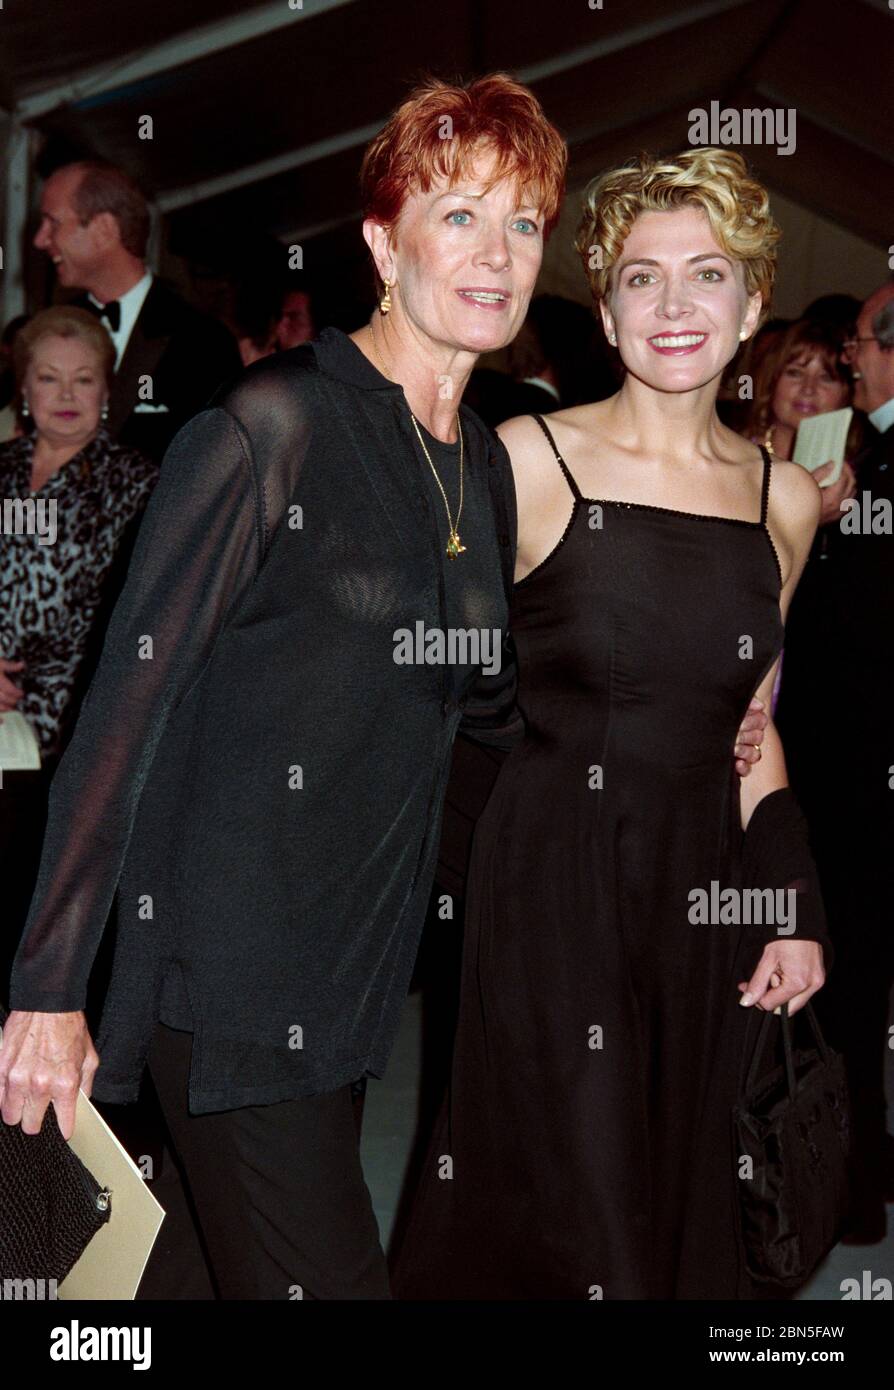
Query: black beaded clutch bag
794, 1125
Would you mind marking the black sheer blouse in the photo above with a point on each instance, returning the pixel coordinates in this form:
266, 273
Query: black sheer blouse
253, 774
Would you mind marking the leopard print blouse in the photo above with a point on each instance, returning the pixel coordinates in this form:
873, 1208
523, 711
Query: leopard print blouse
51, 585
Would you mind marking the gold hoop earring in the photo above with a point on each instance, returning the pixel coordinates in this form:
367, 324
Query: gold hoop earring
385, 301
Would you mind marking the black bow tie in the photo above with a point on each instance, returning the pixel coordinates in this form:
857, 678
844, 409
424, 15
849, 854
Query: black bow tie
110, 311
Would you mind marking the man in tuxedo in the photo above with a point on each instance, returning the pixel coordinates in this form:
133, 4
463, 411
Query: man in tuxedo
171, 358
839, 654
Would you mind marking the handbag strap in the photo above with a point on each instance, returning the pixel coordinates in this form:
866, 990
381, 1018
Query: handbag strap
786, 1024
821, 1044
787, 1050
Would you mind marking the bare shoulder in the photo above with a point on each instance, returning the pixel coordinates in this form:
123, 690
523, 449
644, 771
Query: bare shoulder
793, 514
529, 448
525, 439
542, 491
520, 435
795, 498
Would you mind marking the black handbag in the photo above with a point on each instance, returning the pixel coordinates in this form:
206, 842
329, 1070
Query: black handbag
51, 1206
795, 1126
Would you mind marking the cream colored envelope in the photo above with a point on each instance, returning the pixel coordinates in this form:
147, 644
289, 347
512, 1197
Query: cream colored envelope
19, 748
821, 439
112, 1265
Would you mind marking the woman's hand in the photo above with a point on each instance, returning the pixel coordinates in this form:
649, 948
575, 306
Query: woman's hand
750, 737
10, 693
44, 1058
787, 970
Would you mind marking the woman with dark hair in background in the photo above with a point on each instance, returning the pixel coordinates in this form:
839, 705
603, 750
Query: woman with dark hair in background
801, 375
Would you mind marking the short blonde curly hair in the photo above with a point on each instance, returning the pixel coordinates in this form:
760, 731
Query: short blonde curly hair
717, 181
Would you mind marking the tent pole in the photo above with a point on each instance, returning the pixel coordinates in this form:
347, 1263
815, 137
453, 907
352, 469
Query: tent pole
17, 172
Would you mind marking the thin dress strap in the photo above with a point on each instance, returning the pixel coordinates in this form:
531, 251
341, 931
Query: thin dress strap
765, 489
575, 490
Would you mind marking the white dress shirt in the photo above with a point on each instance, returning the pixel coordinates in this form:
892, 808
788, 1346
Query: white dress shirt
131, 303
544, 385
883, 418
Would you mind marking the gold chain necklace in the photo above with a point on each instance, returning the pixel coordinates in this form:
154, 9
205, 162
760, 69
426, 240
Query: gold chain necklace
454, 543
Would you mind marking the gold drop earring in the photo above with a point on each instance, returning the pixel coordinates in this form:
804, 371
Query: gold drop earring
385, 301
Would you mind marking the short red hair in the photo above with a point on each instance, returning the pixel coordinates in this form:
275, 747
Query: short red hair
494, 111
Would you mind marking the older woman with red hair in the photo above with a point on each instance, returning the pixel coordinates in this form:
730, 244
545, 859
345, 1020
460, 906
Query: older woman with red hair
323, 571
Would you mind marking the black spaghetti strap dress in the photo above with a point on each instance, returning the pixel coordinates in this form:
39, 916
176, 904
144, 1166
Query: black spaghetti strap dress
585, 1150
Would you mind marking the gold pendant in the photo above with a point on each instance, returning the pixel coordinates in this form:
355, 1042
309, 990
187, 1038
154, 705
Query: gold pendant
454, 545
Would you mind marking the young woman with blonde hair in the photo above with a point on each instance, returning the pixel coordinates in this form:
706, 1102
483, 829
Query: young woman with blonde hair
604, 1018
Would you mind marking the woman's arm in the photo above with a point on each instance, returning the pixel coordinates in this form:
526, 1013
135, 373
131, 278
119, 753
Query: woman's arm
768, 774
791, 967
197, 552
793, 520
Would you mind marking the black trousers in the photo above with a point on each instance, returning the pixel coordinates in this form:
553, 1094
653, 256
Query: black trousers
23, 816
278, 1190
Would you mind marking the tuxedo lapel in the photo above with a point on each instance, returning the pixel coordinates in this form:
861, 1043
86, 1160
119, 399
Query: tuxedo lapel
146, 345
884, 454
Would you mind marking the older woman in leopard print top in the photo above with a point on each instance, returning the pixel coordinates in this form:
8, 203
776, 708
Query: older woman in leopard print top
70, 499
68, 495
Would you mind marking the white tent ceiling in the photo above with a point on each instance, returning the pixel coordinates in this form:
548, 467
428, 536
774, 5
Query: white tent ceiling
260, 111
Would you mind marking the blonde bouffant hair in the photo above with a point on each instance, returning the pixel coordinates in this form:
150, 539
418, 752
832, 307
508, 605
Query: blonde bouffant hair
717, 181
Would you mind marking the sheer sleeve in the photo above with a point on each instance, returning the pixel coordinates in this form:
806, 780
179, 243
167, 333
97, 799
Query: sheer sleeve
491, 726
197, 551
490, 712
